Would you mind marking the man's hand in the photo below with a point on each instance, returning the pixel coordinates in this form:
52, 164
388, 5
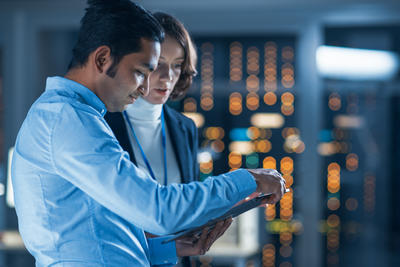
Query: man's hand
269, 181
192, 246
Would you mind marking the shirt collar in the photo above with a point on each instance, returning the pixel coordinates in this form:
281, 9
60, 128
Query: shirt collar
89, 97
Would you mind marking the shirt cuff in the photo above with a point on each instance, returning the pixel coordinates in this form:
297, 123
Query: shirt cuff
244, 181
162, 254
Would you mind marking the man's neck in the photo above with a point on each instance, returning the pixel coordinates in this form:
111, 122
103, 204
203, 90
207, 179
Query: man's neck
83, 77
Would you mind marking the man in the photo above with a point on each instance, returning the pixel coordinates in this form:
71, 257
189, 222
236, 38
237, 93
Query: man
80, 201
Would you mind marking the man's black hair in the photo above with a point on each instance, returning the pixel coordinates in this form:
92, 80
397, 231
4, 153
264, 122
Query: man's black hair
118, 24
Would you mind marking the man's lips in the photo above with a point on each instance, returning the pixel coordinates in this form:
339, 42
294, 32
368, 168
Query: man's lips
133, 97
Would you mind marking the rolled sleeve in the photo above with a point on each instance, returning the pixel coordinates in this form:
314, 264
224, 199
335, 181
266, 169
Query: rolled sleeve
244, 181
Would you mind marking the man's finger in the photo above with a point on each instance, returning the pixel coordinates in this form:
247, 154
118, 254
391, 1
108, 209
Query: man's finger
213, 235
218, 232
202, 241
226, 225
203, 235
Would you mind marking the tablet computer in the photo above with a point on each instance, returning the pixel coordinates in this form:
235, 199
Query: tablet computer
234, 212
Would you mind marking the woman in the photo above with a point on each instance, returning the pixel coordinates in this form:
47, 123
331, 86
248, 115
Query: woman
159, 140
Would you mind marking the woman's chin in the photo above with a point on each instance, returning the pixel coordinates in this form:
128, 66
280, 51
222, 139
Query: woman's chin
155, 100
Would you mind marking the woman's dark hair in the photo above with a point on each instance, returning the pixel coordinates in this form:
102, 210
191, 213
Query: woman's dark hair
175, 29
118, 24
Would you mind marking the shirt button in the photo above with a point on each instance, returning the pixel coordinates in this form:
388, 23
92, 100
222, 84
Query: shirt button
102, 111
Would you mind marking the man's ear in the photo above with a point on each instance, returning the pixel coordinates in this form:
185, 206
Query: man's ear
102, 58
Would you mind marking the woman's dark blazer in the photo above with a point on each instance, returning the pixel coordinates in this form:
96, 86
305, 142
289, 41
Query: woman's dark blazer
182, 133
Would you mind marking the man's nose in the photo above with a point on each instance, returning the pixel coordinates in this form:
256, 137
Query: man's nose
144, 88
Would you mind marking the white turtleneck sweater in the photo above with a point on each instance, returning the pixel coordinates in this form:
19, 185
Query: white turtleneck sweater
146, 121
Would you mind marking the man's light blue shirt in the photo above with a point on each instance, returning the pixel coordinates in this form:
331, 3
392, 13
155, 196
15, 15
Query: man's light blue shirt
80, 201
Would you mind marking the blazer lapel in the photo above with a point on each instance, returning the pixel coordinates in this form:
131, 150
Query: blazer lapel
178, 137
117, 124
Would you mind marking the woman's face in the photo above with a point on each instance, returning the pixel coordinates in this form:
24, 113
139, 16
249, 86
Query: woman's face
164, 78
